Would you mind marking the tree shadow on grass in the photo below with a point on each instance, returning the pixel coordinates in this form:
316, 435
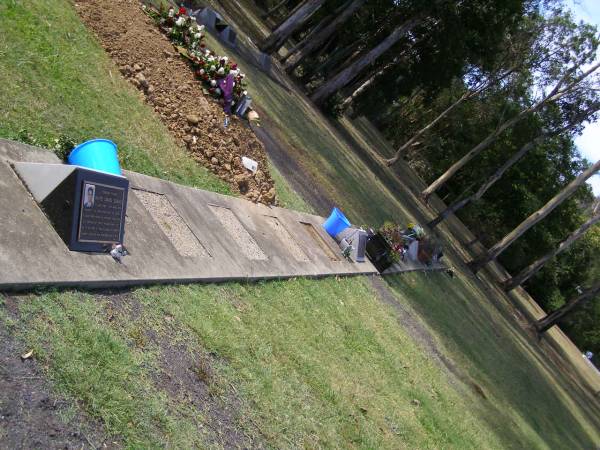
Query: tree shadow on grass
499, 357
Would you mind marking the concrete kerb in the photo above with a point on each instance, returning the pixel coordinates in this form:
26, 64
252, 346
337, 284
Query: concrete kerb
27, 263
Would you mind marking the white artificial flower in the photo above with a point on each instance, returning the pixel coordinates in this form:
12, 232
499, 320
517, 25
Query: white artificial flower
212, 68
180, 21
224, 58
200, 27
218, 91
234, 72
202, 72
210, 58
245, 93
198, 36
242, 75
213, 83
171, 12
221, 70
144, 7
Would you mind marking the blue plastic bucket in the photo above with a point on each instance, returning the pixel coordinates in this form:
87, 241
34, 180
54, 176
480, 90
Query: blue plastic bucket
336, 223
97, 154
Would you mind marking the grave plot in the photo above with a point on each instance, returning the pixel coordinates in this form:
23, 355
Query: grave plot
286, 238
322, 244
148, 60
238, 233
172, 233
172, 224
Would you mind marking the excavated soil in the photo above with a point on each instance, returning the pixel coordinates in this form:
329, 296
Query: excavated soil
150, 62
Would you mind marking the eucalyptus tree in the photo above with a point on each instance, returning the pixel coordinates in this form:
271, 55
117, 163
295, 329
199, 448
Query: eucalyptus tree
545, 323
321, 34
298, 17
560, 64
537, 265
274, 9
447, 31
480, 76
563, 122
491, 254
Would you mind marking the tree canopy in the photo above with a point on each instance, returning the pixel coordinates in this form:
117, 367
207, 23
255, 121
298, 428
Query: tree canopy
519, 71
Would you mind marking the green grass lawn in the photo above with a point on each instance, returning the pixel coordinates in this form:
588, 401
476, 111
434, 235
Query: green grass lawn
313, 363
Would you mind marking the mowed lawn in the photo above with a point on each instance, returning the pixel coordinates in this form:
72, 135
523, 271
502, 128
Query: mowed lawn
308, 363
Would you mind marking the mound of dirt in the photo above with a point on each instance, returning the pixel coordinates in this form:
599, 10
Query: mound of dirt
150, 62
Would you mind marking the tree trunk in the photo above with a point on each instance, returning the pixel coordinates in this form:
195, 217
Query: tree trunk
322, 24
310, 35
289, 14
338, 56
467, 95
536, 217
488, 184
545, 323
489, 140
364, 85
535, 267
344, 77
557, 92
274, 9
313, 42
291, 24
431, 124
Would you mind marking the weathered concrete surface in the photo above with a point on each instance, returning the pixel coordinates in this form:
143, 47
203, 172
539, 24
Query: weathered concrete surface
32, 253
42, 178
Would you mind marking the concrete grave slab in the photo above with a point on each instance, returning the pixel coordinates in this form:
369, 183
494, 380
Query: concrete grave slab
175, 234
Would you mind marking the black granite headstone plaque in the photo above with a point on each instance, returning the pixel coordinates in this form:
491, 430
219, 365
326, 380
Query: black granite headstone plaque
88, 210
100, 213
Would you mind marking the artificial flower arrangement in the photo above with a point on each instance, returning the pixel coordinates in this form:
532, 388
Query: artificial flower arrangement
398, 238
208, 67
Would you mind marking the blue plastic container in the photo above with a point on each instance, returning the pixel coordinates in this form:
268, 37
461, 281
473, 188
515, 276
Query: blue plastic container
97, 154
336, 223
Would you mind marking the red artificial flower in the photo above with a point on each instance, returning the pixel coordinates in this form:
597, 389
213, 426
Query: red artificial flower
182, 10
233, 66
203, 45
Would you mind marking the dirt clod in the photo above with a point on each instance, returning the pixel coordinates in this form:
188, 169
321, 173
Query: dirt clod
193, 119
